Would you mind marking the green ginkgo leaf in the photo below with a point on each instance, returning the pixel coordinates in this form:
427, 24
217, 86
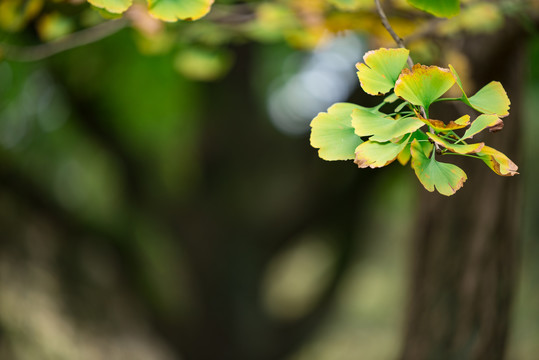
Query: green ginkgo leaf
423, 84
481, 123
173, 10
333, 134
498, 161
439, 125
381, 127
380, 69
423, 139
456, 148
491, 99
445, 178
375, 154
113, 6
440, 8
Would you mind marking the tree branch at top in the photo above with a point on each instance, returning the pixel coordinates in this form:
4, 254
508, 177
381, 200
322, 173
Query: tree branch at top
390, 30
77, 39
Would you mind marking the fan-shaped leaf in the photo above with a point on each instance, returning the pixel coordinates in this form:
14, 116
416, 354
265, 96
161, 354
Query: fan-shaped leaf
446, 178
378, 154
423, 84
480, 124
440, 8
381, 69
113, 6
333, 134
498, 161
381, 127
173, 10
491, 99
456, 148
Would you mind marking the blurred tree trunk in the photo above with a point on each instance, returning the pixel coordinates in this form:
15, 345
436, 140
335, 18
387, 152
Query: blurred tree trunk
231, 231
465, 251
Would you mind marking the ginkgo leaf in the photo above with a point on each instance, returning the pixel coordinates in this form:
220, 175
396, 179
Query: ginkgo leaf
446, 178
422, 138
173, 10
498, 161
491, 99
439, 125
113, 6
456, 148
333, 134
440, 8
423, 84
381, 127
380, 69
481, 123
375, 154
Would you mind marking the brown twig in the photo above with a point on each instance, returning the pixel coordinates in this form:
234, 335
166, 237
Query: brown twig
400, 43
390, 30
77, 39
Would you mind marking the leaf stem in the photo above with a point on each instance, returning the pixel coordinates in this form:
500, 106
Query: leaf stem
390, 30
459, 138
448, 99
77, 39
468, 155
404, 114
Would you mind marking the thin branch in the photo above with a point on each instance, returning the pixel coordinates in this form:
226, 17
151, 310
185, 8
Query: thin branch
400, 43
77, 39
390, 30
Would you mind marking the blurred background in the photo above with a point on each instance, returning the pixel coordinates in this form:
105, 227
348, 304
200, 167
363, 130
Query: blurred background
159, 198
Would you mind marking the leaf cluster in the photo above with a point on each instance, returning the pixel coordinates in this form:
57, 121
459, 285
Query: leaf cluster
373, 138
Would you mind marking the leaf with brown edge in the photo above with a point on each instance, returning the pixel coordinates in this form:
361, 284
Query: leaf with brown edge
380, 69
498, 161
423, 84
456, 148
491, 99
375, 154
439, 125
498, 126
481, 123
445, 178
